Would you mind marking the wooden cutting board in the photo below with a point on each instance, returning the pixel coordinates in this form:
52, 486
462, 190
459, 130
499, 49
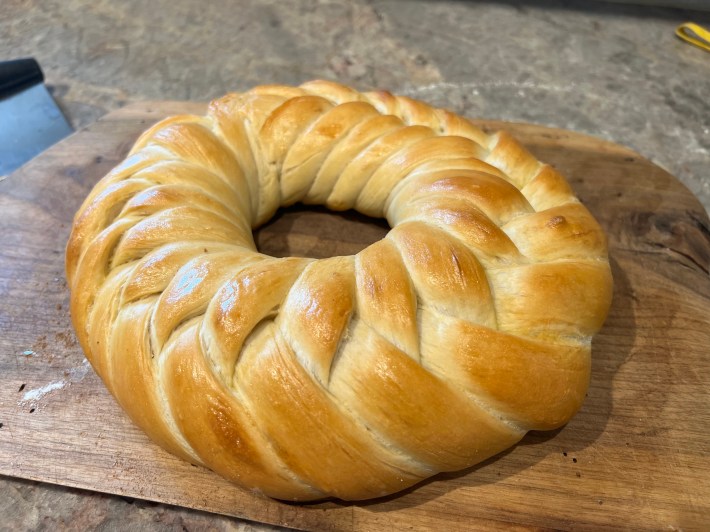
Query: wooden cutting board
637, 455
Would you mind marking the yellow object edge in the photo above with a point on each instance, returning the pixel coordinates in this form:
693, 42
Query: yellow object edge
694, 34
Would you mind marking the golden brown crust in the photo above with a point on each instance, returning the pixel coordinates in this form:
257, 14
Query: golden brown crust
352, 377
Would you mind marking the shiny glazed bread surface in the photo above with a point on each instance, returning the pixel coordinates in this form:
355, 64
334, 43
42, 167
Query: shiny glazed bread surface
431, 350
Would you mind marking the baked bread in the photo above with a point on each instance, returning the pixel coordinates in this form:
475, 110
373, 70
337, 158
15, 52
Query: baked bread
353, 377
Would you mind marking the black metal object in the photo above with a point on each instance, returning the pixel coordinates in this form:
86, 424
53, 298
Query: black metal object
30, 120
19, 74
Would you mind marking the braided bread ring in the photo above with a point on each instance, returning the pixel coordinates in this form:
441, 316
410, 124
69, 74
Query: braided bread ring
431, 350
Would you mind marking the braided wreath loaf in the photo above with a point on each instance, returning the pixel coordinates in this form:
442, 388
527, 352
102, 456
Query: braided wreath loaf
354, 377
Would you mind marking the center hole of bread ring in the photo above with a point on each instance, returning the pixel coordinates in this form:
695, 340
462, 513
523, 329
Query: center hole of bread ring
316, 232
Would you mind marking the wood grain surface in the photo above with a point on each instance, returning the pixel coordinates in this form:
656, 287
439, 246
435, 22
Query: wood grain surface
636, 455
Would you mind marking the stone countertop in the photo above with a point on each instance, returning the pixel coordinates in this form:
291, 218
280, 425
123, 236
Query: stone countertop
609, 70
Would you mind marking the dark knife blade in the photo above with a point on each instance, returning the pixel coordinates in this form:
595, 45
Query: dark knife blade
30, 120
